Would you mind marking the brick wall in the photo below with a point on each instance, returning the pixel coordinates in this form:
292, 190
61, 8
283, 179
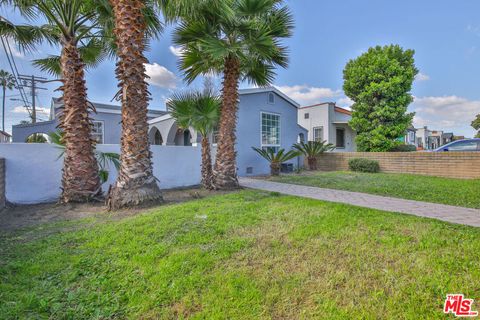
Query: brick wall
464, 165
2, 183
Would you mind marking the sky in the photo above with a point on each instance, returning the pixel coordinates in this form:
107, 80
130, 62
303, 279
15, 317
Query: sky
445, 35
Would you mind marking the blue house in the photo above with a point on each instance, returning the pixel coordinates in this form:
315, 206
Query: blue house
106, 123
266, 118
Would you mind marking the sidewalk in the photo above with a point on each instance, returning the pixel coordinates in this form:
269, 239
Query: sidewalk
447, 213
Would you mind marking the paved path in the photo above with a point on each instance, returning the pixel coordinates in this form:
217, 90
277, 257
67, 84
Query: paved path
453, 214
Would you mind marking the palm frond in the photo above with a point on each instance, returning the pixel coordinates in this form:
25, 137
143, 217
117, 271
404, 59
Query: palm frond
313, 148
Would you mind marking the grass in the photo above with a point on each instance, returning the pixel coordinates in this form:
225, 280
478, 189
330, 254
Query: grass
456, 192
246, 255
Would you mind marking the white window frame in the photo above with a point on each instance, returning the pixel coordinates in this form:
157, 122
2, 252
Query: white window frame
103, 130
314, 136
276, 146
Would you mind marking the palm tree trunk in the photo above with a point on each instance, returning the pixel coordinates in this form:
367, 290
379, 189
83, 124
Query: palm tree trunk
225, 171
80, 180
207, 172
312, 163
135, 182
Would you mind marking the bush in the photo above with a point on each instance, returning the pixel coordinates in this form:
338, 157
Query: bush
364, 165
404, 148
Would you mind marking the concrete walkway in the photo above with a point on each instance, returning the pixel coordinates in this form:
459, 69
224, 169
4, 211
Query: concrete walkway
452, 214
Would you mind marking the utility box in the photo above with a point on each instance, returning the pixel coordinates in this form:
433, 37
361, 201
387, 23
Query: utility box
287, 167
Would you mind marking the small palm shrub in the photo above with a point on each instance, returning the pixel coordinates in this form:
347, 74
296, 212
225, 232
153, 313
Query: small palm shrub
276, 159
364, 165
312, 149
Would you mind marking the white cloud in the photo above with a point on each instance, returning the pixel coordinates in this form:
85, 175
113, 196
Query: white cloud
345, 102
304, 94
160, 76
176, 51
422, 77
39, 110
447, 113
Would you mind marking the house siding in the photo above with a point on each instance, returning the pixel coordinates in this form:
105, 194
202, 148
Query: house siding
249, 130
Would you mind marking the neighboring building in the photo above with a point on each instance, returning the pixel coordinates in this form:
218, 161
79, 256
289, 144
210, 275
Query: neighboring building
432, 139
326, 121
106, 123
411, 137
5, 137
266, 118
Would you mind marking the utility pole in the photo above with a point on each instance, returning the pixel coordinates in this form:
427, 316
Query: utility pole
31, 82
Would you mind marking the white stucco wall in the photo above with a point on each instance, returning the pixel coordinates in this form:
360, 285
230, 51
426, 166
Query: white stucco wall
33, 173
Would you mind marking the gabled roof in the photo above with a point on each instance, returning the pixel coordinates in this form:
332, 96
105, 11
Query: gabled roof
5, 133
269, 89
336, 108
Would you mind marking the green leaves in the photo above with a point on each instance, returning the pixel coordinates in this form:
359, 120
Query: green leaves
313, 148
278, 157
246, 30
7, 80
379, 82
199, 110
476, 125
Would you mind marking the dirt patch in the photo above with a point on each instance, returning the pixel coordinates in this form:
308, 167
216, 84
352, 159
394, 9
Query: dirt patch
23, 216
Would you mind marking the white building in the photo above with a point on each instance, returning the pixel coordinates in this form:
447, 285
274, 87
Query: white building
326, 121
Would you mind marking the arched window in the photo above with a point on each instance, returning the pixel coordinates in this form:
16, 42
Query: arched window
271, 98
301, 137
157, 139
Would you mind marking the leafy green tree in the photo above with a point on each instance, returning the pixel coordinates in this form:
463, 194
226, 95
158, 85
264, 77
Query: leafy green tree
379, 82
476, 125
200, 111
241, 40
7, 81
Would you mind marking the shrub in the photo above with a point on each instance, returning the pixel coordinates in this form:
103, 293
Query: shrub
404, 148
364, 165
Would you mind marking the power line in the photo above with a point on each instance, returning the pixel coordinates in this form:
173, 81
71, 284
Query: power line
13, 67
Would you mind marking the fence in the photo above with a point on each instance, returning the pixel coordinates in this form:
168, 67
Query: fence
33, 171
465, 165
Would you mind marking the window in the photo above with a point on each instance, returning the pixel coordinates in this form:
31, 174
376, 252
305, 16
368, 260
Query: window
270, 131
271, 98
97, 131
340, 143
318, 134
307, 115
463, 146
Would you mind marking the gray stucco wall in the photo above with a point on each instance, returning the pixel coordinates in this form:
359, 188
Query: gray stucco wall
111, 122
20, 133
249, 130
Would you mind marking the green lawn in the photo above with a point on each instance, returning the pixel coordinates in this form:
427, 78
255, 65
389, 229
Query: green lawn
456, 192
246, 255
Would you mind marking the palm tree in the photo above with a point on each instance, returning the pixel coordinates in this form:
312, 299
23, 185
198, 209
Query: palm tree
104, 159
135, 182
276, 158
200, 111
7, 81
241, 39
75, 26
312, 149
